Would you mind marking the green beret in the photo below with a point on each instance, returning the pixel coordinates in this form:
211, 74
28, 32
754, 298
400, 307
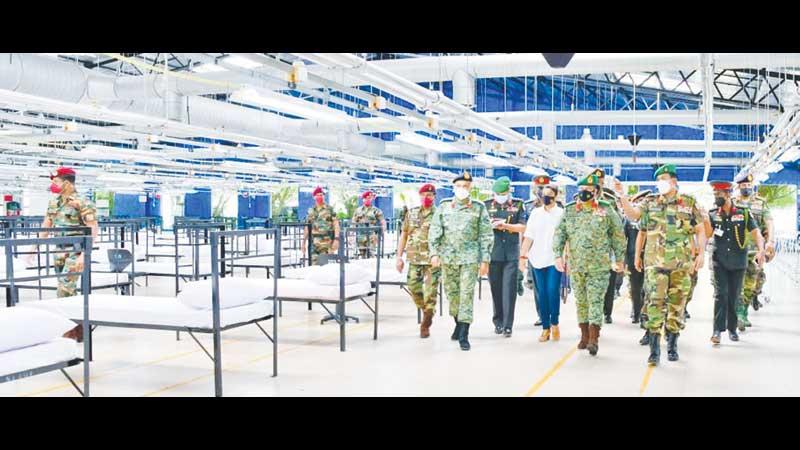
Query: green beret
666, 168
502, 184
464, 177
589, 180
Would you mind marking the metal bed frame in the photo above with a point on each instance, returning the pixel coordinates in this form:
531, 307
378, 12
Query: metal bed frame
289, 232
83, 243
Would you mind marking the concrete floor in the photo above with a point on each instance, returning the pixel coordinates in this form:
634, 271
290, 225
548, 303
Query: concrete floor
152, 363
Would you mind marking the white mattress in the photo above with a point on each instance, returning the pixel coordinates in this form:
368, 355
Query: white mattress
389, 273
150, 310
267, 261
53, 352
305, 289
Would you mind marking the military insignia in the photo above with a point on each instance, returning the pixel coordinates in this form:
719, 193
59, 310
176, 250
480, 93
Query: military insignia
600, 212
467, 177
685, 209
737, 218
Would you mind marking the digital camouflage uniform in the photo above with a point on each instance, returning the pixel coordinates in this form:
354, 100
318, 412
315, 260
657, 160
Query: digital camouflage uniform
321, 219
754, 276
369, 216
70, 212
669, 224
423, 280
461, 236
593, 234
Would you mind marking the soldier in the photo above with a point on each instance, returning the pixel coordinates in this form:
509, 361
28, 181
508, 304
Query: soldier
667, 222
460, 239
539, 183
695, 245
593, 232
731, 224
635, 277
508, 220
755, 276
324, 228
371, 216
423, 279
68, 210
608, 195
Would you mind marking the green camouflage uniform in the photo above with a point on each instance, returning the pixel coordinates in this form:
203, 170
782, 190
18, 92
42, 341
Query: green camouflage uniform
423, 280
369, 216
70, 212
461, 236
670, 226
321, 219
754, 277
593, 234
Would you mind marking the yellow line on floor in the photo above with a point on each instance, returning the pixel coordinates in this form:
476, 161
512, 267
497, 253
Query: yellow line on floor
550, 372
646, 379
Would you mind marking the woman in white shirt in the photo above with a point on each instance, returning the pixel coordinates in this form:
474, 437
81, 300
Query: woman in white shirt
537, 247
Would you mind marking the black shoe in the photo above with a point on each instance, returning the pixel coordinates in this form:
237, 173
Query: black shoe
672, 346
608, 319
655, 350
462, 337
635, 319
456, 331
733, 336
538, 323
756, 304
507, 332
645, 340
686, 314
498, 330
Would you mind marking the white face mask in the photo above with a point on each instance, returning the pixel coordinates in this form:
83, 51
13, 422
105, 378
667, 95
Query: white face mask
664, 186
461, 193
500, 198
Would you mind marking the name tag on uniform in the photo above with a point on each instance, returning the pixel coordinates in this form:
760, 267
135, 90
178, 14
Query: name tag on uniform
600, 212
685, 209
737, 218
718, 232
513, 209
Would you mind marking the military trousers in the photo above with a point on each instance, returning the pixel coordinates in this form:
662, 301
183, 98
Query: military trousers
459, 286
636, 285
691, 289
503, 283
754, 278
320, 247
589, 289
666, 298
69, 262
727, 290
423, 284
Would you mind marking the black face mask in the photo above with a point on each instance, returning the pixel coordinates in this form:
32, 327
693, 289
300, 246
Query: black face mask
719, 201
547, 199
585, 196
747, 192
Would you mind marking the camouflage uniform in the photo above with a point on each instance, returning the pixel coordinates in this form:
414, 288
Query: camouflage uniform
70, 212
369, 216
593, 235
321, 219
423, 280
461, 236
754, 276
670, 225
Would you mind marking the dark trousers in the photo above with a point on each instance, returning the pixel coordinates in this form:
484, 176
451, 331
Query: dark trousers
503, 281
727, 291
636, 282
548, 286
608, 304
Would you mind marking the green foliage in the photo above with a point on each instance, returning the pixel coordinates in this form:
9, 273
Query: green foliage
778, 195
280, 200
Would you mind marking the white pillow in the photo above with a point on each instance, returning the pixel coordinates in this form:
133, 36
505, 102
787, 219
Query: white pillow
328, 275
22, 327
233, 292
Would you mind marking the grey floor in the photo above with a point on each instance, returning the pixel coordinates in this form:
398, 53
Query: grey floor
152, 363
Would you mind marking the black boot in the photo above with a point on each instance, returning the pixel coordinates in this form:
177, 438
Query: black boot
686, 314
645, 340
756, 304
655, 350
672, 346
456, 330
462, 337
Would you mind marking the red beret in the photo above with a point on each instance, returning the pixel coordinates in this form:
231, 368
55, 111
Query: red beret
541, 180
427, 188
62, 171
318, 190
721, 185
366, 194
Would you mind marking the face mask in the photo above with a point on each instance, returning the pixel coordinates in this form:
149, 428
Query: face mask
585, 196
461, 193
719, 201
547, 199
664, 186
427, 202
55, 189
746, 192
319, 200
367, 203
500, 198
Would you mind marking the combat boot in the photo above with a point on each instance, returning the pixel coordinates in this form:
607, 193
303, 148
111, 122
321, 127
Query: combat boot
672, 346
655, 350
594, 336
463, 336
645, 340
425, 327
584, 335
756, 304
456, 330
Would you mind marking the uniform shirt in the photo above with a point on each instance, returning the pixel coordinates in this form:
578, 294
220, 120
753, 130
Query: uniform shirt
541, 229
760, 212
461, 233
670, 226
321, 219
71, 211
416, 225
730, 231
506, 244
594, 233
370, 216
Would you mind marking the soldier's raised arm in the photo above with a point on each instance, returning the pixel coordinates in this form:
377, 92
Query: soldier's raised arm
630, 211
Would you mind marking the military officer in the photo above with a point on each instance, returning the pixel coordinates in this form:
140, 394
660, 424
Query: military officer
593, 232
324, 228
730, 226
539, 183
667, 223
68, 210
423, 279
755, 276
371, 216
508, 221
460, 240
606, 194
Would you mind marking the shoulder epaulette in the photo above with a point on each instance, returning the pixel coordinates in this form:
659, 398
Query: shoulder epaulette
604, 203
570, 204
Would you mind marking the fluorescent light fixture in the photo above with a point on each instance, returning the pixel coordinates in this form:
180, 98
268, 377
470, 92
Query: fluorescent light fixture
563, 180
287, 104
241, 61
121, 177
762, 178
208, 68
533, 170
774, 167
492, 161
329, 175
424, 142
791, 155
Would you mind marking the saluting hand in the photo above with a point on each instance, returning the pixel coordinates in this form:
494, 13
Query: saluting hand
618, 187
